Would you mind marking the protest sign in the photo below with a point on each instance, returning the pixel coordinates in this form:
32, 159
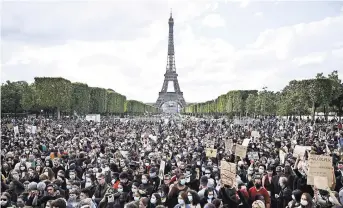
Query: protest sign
16, 130
210, 152
228, 145
228, 173
319, 165
255, 134
300, 150
246, 142
161, 171
241, 151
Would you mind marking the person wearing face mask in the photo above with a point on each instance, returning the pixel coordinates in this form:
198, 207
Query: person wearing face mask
175, 189
124, 181
259, 190
73, 200
163, 192
182, 200
15, 187
193, 198
5, 200
209, 196
296, 197
306, 201
145, 189
203, 186
154, 179
155, 200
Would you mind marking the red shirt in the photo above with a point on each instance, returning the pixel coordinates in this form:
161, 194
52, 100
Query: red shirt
253, 192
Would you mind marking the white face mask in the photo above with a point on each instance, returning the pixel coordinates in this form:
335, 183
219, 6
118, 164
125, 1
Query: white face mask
120, 190
3, 203
136, 198
181, 201
303, 202
88, 184
293, 197
190, 198
153, 200
261, 170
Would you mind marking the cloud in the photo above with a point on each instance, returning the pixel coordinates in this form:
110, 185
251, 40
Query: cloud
314, 58
124, 47
213, 20
244, 3
259, 14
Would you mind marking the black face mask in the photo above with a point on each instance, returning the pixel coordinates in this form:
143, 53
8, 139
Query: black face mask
258, 185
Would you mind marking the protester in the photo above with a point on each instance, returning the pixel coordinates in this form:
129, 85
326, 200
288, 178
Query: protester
164, 161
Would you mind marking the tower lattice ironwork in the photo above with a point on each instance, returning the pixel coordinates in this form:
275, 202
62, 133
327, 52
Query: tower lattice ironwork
170, 74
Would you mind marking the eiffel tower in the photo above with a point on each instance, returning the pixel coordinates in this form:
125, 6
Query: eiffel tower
170, 75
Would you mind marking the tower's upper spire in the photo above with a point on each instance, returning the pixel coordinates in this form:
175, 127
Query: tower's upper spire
171, 20
171, 53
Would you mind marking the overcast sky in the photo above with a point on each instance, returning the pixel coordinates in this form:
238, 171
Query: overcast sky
219, 46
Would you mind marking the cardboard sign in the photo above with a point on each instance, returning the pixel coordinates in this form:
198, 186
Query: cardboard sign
319, 165
253, 156
282, 156
33, 129
16, 130
161, 171
228, 173
93, 117
241, 151
10, 126
228, 145
246, 142
300, 150
210, 152
320, 182
255, 134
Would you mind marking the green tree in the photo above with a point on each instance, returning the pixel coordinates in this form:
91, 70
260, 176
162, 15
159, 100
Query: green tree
80, 100
98, 100
11, 95
30, 100
250, 104
54, 93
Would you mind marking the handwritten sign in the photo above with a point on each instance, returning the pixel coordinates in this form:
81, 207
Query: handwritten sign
282, 156
161, 171
228, 173
255, 134
246, 142
228, 145
10, 126
210, 152
319, 165
253, 156
241, 151
16, 130
300, 150
320, 182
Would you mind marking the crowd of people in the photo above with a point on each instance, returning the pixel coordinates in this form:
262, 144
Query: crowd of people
163, 162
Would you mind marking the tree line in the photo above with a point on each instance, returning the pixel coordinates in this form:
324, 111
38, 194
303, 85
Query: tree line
59, 95
299, 97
